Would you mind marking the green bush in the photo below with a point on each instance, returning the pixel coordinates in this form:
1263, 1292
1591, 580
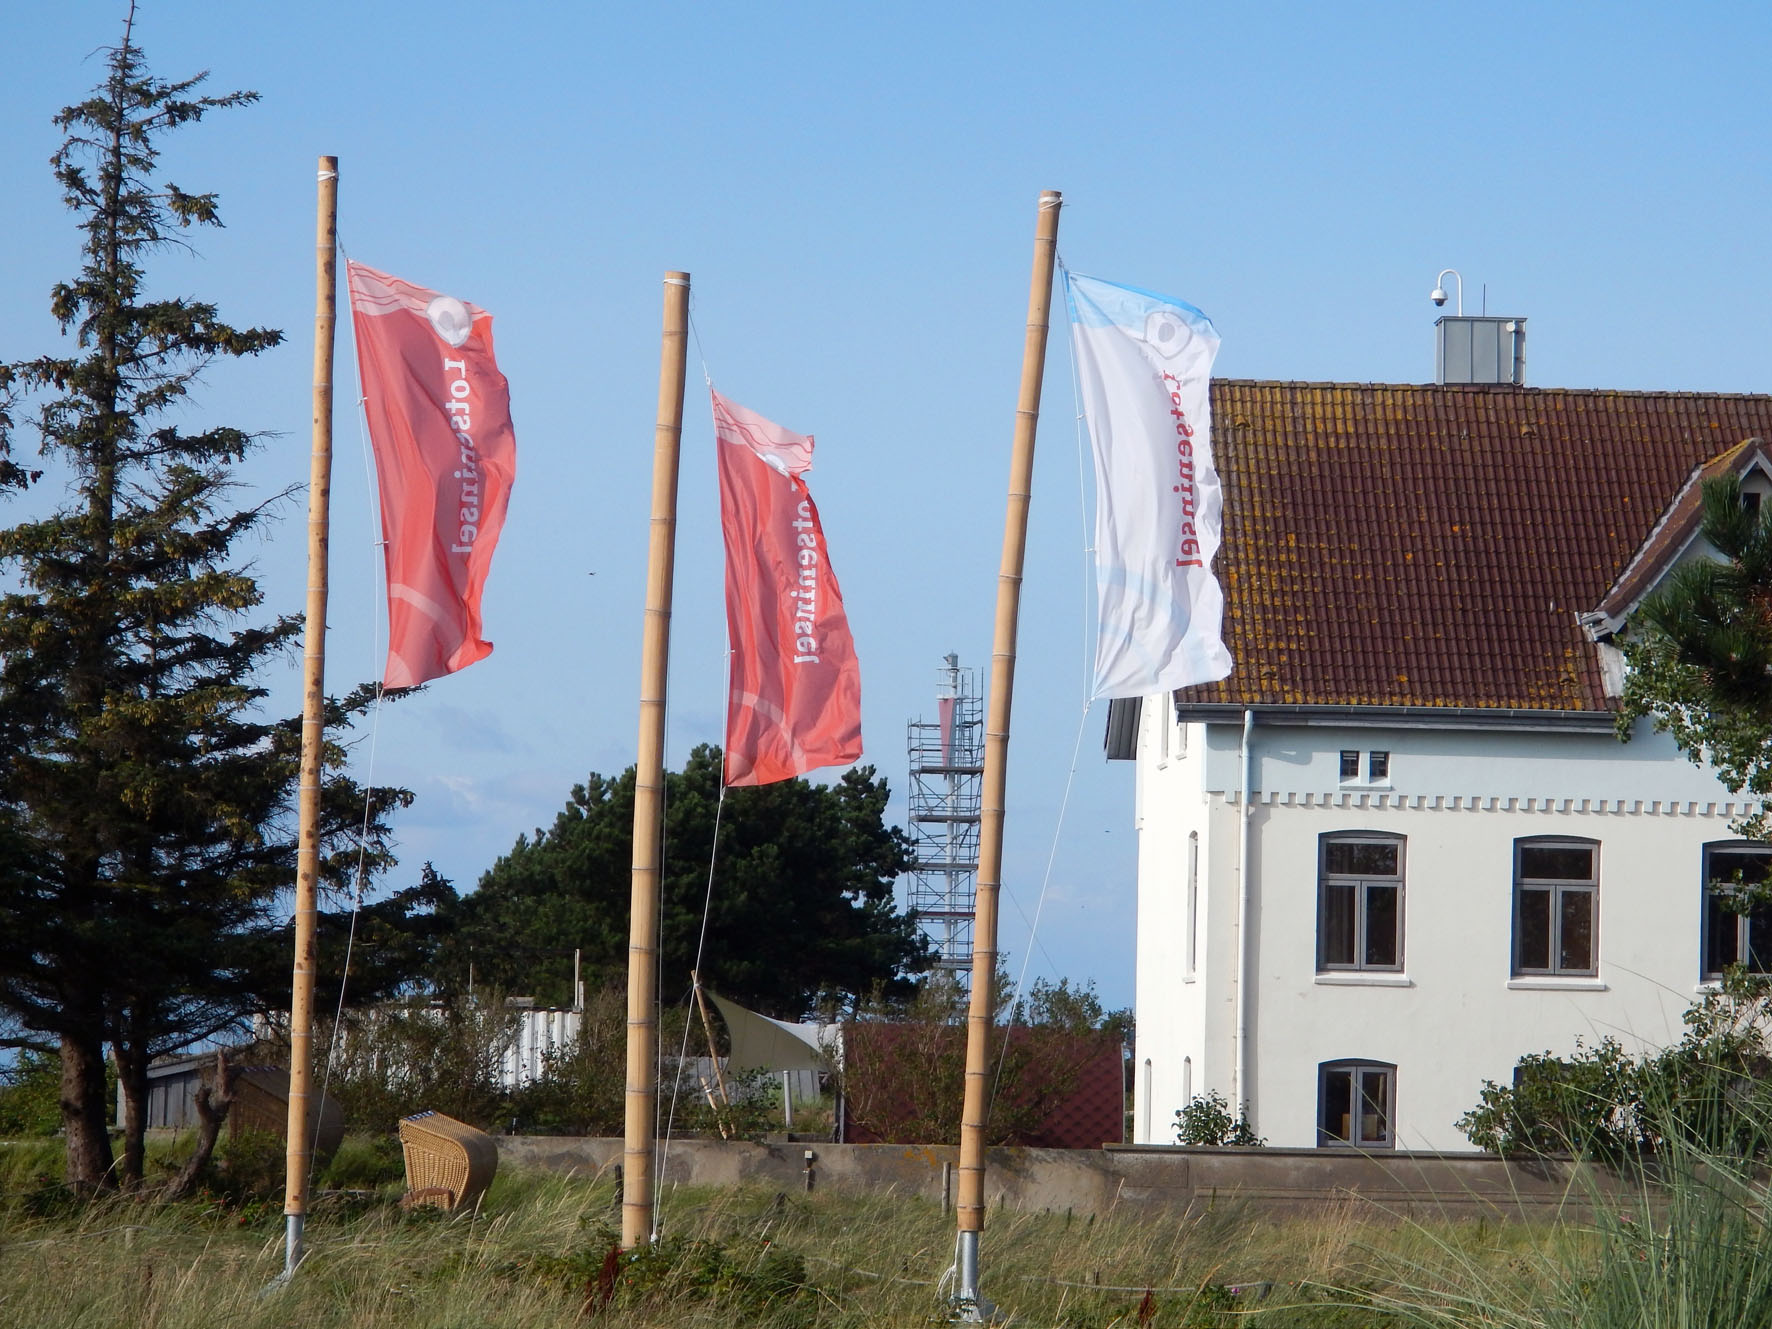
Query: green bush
582, 1089
30, 1096
249, 1166
1584, 1104
393, 1061
1207, 1120
448, 1056
754, 1109
1711, 1091
364, 1162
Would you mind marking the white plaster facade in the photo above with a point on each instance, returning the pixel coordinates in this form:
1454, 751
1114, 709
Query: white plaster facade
1455, 1013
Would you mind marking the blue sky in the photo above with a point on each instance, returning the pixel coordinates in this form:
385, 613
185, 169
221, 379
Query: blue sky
853, 190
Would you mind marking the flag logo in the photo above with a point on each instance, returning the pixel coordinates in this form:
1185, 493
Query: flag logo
450, 318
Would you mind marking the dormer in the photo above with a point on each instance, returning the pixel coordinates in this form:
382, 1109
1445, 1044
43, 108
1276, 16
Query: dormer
1676, 538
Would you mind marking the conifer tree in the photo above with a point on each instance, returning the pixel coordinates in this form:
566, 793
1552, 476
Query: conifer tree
146, 806
1700, 650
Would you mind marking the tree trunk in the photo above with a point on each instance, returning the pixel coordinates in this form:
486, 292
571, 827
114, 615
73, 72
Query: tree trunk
84, 1119
132, 1088
214, 1097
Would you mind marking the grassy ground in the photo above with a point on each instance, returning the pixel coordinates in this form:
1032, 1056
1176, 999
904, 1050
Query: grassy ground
538, 1254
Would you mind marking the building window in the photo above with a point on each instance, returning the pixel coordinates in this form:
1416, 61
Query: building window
1378, 767
1356, 1104
1730, 935
1360, 901
1556, 906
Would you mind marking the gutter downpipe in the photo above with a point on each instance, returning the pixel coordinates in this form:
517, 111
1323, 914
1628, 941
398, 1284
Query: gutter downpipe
1240, 1101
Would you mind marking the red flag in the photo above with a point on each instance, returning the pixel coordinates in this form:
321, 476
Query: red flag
795, 700
440, 422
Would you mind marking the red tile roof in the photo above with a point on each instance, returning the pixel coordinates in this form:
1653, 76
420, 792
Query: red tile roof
1675, 530
1400, 545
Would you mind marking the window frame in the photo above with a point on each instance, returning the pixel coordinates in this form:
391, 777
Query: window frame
1360, 883
1743, 922
1557, 887
1356, 1068
1349, 776
1376, 758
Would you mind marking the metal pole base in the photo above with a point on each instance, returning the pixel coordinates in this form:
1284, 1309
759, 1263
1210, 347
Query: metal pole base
292, 1251
292, 1255
969, 1306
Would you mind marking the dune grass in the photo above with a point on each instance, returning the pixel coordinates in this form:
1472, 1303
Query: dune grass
1689, 1246
539, 1253
1695, 1252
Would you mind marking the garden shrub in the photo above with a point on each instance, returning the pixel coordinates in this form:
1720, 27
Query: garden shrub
30, 1096
1207, 1120
1710, 1092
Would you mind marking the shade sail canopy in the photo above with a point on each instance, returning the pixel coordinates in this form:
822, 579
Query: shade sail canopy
760, 1043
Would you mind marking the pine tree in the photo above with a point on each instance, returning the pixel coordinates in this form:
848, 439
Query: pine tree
146, 806
1700, 650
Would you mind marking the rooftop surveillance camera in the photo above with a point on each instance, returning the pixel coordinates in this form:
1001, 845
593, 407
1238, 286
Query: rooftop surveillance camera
1438, 294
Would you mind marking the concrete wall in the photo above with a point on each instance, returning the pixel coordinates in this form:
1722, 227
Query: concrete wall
1149, 1180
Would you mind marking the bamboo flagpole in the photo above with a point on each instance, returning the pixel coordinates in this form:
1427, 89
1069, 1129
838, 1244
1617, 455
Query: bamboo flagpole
299, 1158
976, 1109
642, 1079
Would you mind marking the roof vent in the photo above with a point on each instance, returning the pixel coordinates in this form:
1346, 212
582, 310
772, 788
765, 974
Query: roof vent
1479, 350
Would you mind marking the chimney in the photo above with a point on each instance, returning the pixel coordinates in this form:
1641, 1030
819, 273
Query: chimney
1479, 349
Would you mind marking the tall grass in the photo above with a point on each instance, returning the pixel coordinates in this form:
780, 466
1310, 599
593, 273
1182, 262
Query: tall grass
1685, 1243
538, 1253
1690, 1245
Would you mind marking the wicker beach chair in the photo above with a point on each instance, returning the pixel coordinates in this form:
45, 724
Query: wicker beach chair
449, 1164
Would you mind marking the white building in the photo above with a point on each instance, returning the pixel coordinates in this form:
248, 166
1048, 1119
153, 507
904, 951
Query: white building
1401, 845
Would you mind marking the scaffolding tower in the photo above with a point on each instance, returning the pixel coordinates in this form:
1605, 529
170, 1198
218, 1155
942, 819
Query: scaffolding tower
946, 791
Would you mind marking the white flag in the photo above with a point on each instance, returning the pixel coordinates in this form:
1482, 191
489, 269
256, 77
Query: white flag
1145, 363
